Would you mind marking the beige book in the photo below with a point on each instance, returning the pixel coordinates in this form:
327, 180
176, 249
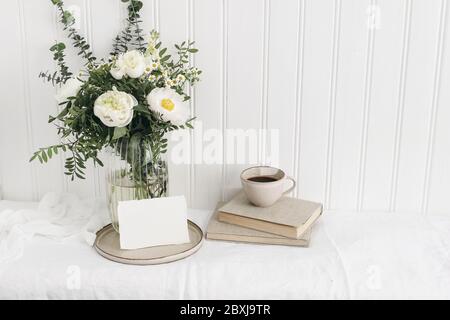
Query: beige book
224, 231
288, 217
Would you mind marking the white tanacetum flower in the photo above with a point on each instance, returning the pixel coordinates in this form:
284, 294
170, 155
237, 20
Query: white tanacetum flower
169, 104
151, 64
155, 64
170, 83
68, 89
181, 78
115, 108
130, 63
165, 75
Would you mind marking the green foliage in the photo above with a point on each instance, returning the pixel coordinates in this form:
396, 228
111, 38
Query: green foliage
78, 41
82, 133
131, 36
61, 75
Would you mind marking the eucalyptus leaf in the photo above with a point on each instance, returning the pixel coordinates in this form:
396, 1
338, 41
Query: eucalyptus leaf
119, 132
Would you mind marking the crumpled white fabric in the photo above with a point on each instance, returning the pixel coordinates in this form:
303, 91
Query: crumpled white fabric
58, 216
365, 255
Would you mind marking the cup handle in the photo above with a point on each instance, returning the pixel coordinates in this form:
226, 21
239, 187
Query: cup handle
292, 187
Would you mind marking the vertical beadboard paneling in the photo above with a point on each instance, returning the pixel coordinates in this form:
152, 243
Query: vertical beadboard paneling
155, 8
299, 65
400, 103
360, 112
39, 30
417, 109
17, 182
173, 15
371, 24
439, 179
147, 17
262, 143
282, 81
224, 89
389, 57
434, 104
350, 103
27, 93
207, 176
102, 35
190, 34
245, 61
332, 103
317, 70
172, 25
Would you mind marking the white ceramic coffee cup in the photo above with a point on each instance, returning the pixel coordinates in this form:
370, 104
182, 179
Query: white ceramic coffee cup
265, 194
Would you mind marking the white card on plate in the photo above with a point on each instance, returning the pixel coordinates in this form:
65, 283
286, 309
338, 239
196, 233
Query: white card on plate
153, 222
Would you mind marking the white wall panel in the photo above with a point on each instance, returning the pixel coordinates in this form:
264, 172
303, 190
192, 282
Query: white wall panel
173, 26
350, 101
355, 88
148, 15
39, 37
18, 176
388, 78
244, 75
417, 105
282, 85
319, 74
101, 36
436, 195
207, 177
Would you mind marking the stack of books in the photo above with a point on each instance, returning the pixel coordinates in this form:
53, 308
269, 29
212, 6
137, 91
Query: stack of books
288, 222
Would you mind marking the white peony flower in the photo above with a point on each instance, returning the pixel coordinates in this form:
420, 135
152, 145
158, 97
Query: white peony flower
68, 89
131, 63
115, 108
118, 69
169, 104
165, 74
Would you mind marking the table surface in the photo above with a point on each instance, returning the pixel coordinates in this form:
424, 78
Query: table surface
352, 255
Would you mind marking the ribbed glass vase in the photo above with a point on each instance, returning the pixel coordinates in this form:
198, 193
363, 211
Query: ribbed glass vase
132, 173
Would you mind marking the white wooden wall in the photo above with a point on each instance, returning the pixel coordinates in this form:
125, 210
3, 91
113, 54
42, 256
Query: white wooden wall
359, 90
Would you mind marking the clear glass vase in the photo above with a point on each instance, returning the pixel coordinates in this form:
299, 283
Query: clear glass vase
132, 173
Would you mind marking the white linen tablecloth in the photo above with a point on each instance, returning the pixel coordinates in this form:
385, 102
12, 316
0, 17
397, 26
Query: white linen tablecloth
352, 255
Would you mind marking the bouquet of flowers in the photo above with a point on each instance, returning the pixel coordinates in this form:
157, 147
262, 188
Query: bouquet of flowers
127, 102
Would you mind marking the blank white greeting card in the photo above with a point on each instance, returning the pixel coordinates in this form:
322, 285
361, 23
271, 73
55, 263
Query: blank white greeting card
153, 222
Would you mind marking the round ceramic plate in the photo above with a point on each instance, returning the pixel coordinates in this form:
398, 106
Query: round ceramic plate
107, 245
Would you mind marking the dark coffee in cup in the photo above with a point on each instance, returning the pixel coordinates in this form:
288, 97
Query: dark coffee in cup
263, 179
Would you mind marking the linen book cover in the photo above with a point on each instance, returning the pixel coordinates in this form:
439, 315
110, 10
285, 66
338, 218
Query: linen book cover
224, 231
288, 217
